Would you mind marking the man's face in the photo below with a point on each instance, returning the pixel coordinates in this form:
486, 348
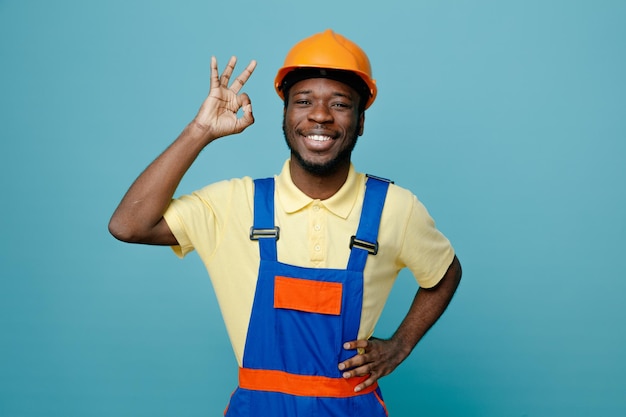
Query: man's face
321, 124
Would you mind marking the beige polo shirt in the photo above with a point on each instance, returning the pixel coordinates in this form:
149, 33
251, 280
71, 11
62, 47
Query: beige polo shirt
215, 222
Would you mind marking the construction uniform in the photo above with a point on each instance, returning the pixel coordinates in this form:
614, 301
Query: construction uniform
295, 319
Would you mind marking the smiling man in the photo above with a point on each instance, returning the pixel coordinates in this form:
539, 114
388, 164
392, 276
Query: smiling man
302, 263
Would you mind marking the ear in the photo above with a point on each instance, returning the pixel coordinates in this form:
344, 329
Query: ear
361, 123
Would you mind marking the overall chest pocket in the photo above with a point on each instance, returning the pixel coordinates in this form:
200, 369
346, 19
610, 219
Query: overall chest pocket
308, 296
308, 325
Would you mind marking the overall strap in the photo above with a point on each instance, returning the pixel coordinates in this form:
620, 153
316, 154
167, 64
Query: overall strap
365, 242
263, 228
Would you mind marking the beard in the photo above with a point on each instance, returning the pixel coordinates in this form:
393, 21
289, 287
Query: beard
326, 168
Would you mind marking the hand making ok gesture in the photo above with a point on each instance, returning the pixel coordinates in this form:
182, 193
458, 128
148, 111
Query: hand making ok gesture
217, 116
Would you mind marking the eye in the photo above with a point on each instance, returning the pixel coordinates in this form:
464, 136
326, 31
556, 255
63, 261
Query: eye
342, 105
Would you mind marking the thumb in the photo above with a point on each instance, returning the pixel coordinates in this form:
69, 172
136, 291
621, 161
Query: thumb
247, 118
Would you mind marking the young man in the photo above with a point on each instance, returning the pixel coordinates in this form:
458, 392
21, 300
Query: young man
301, 263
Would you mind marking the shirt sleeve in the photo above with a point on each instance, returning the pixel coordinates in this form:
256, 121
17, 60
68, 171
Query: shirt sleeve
425, 250
199, 220
185, 216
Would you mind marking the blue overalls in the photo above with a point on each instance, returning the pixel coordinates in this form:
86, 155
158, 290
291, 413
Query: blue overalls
300, 319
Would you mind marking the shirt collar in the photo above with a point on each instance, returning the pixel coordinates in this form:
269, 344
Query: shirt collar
340, 204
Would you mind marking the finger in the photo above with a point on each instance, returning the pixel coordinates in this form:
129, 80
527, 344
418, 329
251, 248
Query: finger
351, 364
359, 345
247, 118
228, 71
355, 344
366, 369
214, 77
368, 382
243, 77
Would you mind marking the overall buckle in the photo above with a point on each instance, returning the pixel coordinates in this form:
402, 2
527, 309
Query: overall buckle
256, 234
371, 248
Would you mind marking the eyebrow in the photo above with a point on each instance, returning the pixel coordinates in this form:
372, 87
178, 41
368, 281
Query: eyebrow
335, 94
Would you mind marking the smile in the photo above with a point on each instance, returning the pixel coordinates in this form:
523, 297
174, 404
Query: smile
319, 138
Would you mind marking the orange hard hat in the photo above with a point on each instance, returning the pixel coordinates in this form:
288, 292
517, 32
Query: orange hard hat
332, 51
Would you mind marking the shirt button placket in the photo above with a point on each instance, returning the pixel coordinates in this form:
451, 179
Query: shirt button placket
316, 243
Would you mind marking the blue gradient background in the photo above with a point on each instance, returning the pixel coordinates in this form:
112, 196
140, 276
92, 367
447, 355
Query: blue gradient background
507, 118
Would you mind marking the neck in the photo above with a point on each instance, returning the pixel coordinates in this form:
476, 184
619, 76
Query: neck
319, 187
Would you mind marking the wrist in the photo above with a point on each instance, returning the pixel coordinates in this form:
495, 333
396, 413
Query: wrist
200, 132
403, 346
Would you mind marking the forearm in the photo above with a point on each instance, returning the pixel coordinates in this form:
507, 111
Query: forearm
377, 357
138, 215
428, 305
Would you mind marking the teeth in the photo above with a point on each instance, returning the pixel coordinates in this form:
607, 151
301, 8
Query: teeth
319, 138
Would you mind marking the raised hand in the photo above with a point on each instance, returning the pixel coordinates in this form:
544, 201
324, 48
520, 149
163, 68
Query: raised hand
217, 116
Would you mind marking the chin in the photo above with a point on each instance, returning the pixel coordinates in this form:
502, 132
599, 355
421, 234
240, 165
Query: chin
320, 169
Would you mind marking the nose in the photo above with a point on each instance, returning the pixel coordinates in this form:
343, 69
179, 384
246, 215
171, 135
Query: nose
320, 113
